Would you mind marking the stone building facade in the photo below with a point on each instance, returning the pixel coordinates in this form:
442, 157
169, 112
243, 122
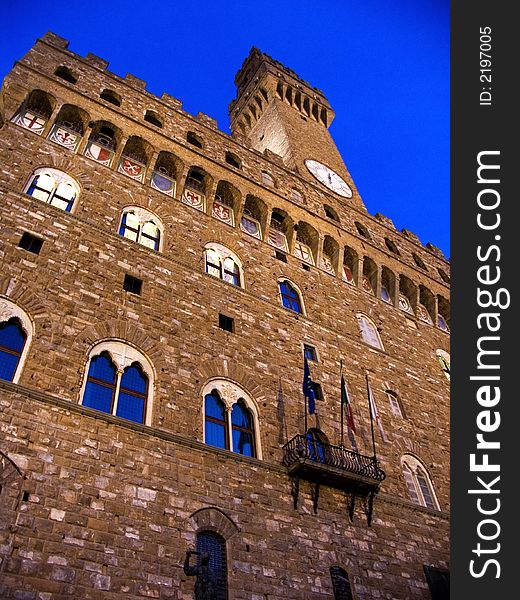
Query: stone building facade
161, 282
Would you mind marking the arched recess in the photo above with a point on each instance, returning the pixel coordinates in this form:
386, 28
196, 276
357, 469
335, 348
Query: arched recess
443, 314
281, 229
226, 203
426, 308
330, 255
165, 172
407, 295
135, 158
35, 111
103, 142
196, 188
369, 279
388, 282
213, 519
350, 265
69, 127
254, 217
307, 242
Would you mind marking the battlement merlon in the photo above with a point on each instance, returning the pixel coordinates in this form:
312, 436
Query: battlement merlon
261, 70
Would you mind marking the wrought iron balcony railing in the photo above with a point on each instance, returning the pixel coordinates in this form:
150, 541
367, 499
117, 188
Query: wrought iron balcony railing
320, 462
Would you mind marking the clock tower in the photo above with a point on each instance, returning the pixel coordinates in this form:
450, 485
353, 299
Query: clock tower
279, 111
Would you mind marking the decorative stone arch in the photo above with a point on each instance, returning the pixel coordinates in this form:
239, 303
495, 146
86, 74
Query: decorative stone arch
63, 163
11, 482
144, 215
230, 393
369, 331
213, 519
118, 331
224, 252
416, 466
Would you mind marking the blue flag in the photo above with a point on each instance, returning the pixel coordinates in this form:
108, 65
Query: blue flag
308, 386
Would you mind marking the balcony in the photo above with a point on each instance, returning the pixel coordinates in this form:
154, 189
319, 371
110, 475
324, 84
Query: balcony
322, 463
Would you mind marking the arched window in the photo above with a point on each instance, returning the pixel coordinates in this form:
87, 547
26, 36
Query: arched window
66, 74
195, 187
118, 382
12, 342
194, 139
369, 332
111, 96
444, 361
152, 117
230, 418
419, 262
224, 264
35, 111
395, 404
213, 546
291, 298
135, 157
267, 179
280, 225
227, 198
340, 583
330, 213
391, 246
420, 488
69, 127
142, 227
215, 433
233, 160
362, 230
242, 430
53, 187
16, 332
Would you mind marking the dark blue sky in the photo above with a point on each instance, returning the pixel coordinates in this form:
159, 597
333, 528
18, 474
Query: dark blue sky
383, 65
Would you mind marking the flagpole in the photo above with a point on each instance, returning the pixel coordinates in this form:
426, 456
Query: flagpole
371, 416
341, 402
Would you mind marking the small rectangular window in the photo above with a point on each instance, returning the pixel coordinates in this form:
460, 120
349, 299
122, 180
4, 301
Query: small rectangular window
132, 284
438, 582
310, 352
226, 323
318, 392
30, 242
306, 267
280, 256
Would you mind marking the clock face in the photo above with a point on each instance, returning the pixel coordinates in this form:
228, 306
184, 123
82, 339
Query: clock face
329, 178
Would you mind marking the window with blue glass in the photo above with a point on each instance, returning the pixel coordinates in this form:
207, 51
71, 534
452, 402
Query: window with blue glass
12, 342
216, 423
121, 392
290, 297
223, 264
214, 546
229, 422
242, 430
53, 187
